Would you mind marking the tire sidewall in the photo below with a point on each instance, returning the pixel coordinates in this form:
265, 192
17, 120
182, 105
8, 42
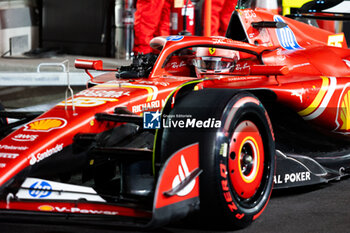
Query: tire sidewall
212, 163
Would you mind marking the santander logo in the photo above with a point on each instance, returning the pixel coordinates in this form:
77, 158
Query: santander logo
183, 172
179, 177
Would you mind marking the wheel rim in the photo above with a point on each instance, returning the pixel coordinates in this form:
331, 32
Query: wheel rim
246, 159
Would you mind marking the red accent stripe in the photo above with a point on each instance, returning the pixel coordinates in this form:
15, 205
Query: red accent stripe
77, 208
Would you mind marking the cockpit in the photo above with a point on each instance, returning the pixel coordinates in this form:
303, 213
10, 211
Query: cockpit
197, 61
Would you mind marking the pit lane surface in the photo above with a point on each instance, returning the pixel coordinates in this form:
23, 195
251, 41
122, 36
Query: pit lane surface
321, 208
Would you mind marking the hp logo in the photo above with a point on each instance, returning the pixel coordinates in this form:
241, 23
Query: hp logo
40, 189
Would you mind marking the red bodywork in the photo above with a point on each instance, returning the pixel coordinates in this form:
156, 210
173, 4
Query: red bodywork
305, 67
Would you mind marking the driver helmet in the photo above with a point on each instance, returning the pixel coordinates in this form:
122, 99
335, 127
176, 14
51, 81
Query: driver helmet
214, 60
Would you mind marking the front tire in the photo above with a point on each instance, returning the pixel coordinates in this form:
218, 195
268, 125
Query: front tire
237, 159
238, 177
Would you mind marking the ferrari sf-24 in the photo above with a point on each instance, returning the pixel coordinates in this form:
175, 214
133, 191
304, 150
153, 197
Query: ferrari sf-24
208, 126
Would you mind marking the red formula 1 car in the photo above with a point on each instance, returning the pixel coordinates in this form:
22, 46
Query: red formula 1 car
210, 125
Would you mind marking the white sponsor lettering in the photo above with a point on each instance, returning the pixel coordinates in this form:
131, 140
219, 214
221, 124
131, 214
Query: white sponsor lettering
106, 94
25, 137
244, 78
7, 147
292, 178
301, 65
2, 165
277, 179
176, 65
191, 123
40, 156
148, 106
8, 155
240, 67
249, 13
219, 41
84, 211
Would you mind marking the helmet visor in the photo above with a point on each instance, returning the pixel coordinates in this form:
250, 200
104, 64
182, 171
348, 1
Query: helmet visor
216, 64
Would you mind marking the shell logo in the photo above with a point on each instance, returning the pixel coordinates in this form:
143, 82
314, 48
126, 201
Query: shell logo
46, 208
45, 124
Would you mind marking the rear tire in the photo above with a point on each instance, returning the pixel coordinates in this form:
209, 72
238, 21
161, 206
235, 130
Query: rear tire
237, 159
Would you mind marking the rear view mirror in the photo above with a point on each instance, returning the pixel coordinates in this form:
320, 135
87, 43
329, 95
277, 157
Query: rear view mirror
91, 65
88, 64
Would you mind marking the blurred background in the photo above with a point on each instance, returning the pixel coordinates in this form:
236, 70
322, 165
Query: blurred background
104, 28
33, 32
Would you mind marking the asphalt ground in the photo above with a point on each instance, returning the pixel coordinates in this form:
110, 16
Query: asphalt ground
320, 208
